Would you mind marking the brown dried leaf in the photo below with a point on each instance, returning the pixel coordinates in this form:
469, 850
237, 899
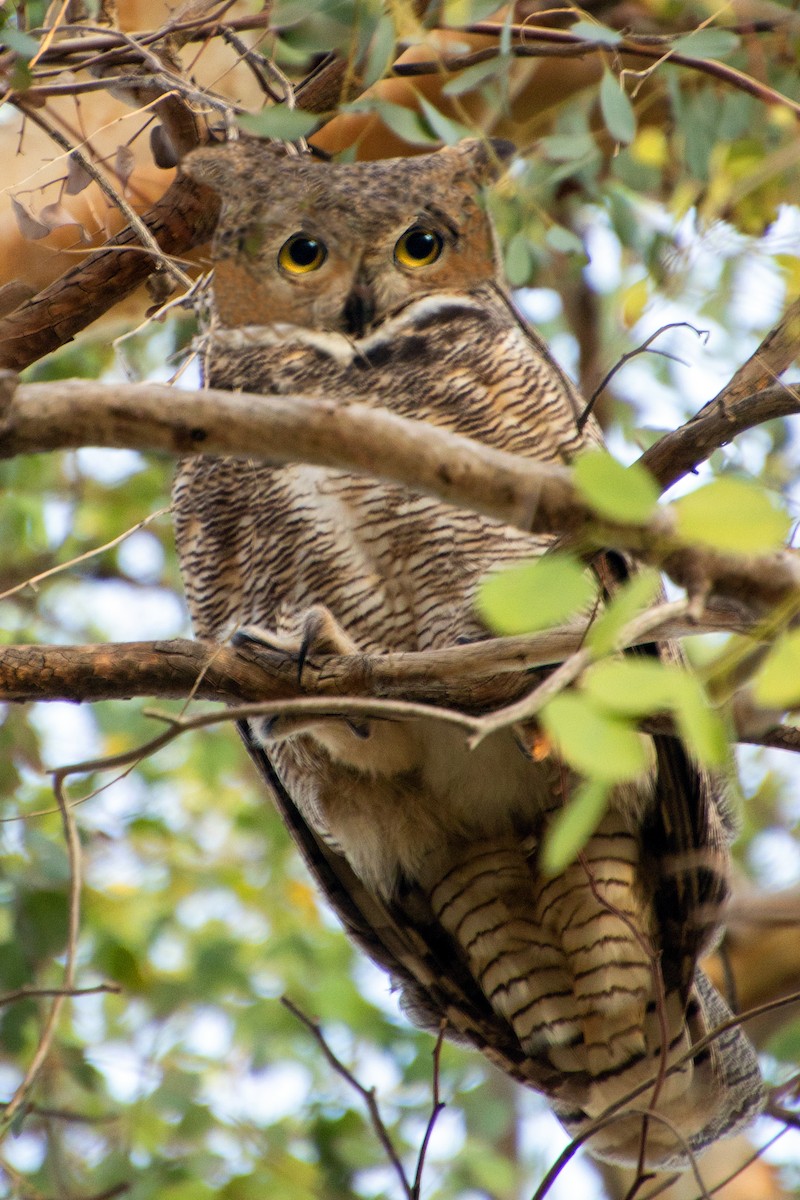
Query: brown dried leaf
78, 177
28, 225
160, 288
124, 162
56, 215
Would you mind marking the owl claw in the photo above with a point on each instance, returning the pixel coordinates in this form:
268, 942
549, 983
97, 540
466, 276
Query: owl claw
319, 633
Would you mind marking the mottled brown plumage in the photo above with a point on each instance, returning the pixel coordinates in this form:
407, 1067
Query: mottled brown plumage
426, 849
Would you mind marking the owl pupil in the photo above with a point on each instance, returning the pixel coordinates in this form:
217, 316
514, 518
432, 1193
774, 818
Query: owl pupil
304, 251
420, 244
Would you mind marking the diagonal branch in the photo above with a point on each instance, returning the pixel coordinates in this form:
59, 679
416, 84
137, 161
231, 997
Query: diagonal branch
715, 425
750, 397
184, 217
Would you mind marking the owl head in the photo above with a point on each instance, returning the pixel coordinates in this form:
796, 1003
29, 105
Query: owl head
341, 247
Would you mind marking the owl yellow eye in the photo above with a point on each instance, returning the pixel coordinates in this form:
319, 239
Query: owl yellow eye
418, 247
299, 254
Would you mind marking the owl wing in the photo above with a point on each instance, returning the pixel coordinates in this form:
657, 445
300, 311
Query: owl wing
402, 937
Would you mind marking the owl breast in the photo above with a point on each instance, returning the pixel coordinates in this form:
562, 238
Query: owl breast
395, 570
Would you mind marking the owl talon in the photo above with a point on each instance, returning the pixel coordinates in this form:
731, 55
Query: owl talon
304, 650
319, 633
252, 635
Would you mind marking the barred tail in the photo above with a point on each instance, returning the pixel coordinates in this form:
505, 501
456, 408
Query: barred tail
571, 963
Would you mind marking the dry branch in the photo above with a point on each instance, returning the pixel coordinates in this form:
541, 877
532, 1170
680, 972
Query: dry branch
537, 497
185, 216
538, 41
470, 676
717, 423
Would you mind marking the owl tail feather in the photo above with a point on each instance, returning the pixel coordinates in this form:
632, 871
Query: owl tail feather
569, 963
720, 1093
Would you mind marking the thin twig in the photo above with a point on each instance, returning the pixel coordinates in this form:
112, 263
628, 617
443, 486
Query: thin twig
635, 47
645, 624
25, 993
436, 1107
642, 349
134, 220
723, 1183
596, 1126
779, 1112
34, 580
315, 705
367, 1094
254, 60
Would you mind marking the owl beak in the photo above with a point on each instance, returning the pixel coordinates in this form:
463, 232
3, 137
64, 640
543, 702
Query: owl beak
359, 310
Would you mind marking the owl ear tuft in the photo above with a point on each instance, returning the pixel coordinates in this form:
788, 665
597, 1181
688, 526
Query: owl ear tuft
486, 158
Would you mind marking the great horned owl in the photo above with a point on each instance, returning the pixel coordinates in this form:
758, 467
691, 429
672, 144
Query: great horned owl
379, 283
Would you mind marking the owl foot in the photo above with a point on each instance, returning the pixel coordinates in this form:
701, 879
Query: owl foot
318, 632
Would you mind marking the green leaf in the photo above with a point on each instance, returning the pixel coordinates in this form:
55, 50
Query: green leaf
505, 36
405, 122
632, 598
639, 687
631, 687
467, 12
699, 725
448, 131
534, 595
617, 109
381, 51
564, 241
777, 683
595, 32
277, 121
600, 746
568, 147
518, 261
288, 12
573, 825
42, 923
472, 77
707, 43
22, 45
117, 962
731, 514
625, 494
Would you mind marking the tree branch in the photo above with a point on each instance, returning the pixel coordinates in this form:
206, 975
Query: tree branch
750, 397
537, 497
470, 676
184, 217
717, 423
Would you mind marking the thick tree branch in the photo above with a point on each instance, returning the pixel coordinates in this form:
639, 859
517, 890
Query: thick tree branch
537, 497
716, 424
469, 676
185, 216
